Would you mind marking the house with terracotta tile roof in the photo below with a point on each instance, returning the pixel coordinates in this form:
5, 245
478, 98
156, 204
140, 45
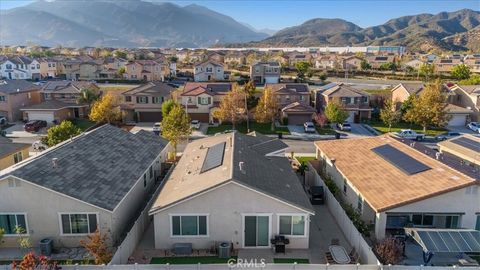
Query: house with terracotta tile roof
208, 71
392, 185
201, 99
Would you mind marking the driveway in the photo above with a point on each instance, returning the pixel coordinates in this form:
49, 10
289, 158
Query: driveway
299, 131
358, 130
461, 129
17, 131
148, 126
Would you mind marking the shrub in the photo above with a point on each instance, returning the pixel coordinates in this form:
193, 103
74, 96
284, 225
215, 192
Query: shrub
285, 121
389, 250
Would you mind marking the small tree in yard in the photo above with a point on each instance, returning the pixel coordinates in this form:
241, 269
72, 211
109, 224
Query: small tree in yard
167, 106
60, 133
426, 70
232, 107
460, 72
429, 108
389, 251
88, 96
335, 113
249, 90
175, 126
302, 68
389, 114
106, 110
267, 108
321, 119
96, 245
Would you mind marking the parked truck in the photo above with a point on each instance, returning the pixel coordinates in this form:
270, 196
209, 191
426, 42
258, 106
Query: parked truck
410, 135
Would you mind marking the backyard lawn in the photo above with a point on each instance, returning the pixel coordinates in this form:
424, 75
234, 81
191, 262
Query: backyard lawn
290, 261
380, 126
83, 124
190, 260
304, 159
259, 127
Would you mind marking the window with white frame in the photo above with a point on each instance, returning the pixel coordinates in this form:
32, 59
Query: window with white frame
204, 100
78, 223
291, 225
157, 100
189, 225
13, 223
17, 157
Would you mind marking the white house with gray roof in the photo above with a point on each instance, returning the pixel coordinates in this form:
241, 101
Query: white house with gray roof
99, 179
231, 188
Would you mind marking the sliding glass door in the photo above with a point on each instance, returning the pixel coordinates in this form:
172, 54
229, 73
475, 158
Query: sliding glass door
257, 231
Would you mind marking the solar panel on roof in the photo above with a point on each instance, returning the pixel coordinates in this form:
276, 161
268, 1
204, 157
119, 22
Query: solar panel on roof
471, 241
467, 143
399, 159
449, 240
214, 157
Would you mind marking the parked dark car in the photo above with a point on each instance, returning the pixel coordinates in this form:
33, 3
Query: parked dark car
317, 195
34, 125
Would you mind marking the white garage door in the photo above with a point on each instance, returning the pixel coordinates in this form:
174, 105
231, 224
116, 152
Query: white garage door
271, 79
351, 117
46, 116
457, 120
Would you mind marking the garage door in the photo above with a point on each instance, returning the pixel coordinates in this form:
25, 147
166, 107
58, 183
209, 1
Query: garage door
457, 120
45, 116
271, 79
299, 119
149, 117
202, 117
351, 117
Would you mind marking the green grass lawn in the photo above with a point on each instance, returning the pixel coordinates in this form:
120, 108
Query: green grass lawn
259, 127
291, 260
190, 260
83, 124
380, 126
304, 159
325, 130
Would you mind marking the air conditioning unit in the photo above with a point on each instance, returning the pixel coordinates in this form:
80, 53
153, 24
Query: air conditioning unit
224, 250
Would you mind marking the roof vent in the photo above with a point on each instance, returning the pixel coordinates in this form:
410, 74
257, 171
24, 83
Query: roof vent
241, 166
333, 161
54, 162
455, 177
18, 90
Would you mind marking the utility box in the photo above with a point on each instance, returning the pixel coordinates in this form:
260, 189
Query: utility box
46, 246
224, 250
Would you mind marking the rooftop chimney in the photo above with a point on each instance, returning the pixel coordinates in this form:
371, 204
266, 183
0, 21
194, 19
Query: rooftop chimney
54, 162
241, 165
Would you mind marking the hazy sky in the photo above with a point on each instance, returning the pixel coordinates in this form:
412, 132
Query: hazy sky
277, 14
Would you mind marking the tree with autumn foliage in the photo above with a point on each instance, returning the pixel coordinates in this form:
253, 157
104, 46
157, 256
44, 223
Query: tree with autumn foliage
175, 125
232, 107
267, 108
389, 114
321, 119
106, 110
96, 245
429, 108
389, 251
33, 262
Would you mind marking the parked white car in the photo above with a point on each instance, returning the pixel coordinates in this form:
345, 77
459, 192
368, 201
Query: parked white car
475, 126
156, 128
39, 145
410, 134
195, 124
345, 126
309, 127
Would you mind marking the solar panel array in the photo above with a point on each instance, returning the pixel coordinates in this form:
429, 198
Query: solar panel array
450, 240
399, 159
467, 143
214, 157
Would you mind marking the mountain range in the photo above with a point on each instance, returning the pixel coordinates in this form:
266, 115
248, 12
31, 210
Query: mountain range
456, 31
120, 24
139, 23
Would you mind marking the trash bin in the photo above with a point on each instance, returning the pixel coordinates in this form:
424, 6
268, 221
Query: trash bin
337, 135
224, 250
46, 246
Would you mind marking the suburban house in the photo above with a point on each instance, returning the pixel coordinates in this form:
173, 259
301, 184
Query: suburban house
11, 153
146, 70
328, 62
51, 68
468, 96
294, 58
265, 72
144, 103
15, 95
217, 57
458, 113
473, 62
201, 99
71, 69
235, 59
97, 180
208, 71
414, 63
444, 66
352, 63
392, 185
355, 101
376, 61
230, 188
20, 67
466, 147
294, 101
60, 102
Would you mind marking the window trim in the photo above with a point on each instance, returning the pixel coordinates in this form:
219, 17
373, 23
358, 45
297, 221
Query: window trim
76, 213
26, 223
16, 156
291, 215
170, 218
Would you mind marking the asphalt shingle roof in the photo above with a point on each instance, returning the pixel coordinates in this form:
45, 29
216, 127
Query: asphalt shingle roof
11, 86
98, 167
7, 147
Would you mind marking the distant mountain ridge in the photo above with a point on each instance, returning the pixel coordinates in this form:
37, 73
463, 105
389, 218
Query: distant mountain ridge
120, 24
417, 32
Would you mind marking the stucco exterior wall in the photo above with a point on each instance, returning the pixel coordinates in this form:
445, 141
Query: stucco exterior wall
8, 161
224, 207
16, 101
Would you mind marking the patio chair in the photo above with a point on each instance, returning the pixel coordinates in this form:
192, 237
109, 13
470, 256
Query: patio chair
354, 257
329, 258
